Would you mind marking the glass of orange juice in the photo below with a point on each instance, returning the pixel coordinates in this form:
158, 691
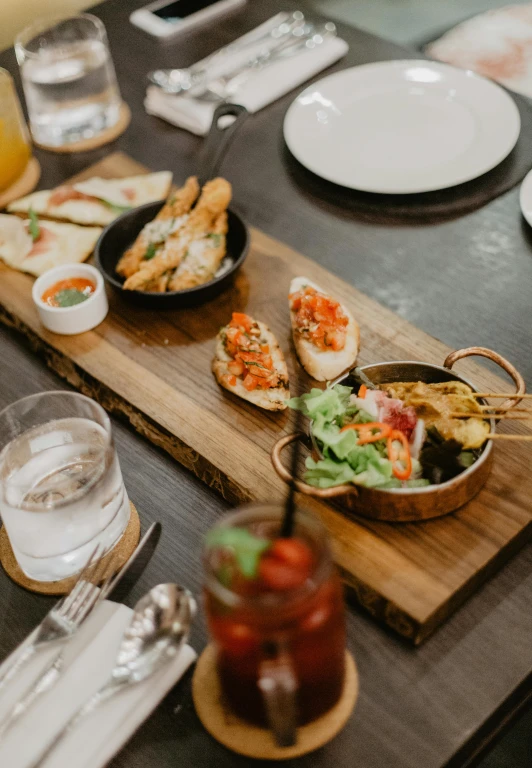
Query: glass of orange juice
14, 140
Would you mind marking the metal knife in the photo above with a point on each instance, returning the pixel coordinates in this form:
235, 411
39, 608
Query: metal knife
119, 587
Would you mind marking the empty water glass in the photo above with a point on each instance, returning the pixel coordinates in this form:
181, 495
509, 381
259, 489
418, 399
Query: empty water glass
68, 78
61, 488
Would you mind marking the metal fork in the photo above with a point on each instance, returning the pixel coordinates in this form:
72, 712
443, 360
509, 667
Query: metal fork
62, 621
81, 602
225, 87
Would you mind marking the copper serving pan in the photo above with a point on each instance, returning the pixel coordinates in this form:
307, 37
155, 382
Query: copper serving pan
409, 504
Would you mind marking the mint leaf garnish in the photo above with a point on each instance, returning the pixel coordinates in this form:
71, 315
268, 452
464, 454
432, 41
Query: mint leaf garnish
68, 297
246, 547
33, 227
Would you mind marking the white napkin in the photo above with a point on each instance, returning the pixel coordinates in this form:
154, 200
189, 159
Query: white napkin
261, 89
496, 44
90, 658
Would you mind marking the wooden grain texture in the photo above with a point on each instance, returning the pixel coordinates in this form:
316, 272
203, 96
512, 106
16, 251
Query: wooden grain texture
154, 369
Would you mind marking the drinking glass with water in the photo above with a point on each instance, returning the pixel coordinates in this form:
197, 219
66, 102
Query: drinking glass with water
61, 488
68, 78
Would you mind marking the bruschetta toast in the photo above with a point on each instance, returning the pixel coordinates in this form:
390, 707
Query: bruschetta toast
249, 363
326, 335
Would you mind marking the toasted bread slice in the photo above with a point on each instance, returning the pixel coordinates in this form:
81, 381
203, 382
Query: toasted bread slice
272, 399
324, 365
56, 244
96, 201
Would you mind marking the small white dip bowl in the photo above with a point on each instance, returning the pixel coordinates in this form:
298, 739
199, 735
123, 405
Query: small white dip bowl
80, 317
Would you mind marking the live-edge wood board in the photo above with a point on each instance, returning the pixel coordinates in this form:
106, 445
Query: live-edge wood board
154, 370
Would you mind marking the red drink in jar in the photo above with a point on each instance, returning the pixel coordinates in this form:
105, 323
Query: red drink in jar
276, 613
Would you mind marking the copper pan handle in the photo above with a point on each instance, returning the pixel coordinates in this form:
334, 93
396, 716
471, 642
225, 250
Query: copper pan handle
309, 490
520, 385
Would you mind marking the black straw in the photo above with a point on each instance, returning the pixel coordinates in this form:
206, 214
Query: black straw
287, 528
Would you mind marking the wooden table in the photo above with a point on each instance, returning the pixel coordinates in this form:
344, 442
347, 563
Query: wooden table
467, 281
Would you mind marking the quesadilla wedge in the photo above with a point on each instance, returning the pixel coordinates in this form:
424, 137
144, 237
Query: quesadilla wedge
96, 201
35, 246
249, 363
326, 336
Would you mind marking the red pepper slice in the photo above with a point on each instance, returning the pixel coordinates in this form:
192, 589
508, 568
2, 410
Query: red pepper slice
367, 435
403, 456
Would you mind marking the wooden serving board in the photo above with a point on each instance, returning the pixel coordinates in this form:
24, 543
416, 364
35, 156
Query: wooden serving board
154, 370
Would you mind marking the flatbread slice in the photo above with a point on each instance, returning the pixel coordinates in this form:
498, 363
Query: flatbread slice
56, 244
325, 348
260, 377
96, 201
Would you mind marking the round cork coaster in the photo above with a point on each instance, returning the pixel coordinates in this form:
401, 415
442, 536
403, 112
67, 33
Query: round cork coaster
25, 183
123, 549
252, 741
105, 137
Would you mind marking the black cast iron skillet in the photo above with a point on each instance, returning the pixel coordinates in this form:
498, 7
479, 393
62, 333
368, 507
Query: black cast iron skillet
118, 236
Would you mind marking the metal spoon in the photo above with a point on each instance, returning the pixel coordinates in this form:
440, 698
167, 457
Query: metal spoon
180, 80
158, 629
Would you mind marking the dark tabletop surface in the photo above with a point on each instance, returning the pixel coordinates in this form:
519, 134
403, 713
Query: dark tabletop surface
467, 281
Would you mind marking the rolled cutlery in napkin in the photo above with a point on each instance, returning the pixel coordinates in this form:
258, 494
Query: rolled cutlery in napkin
90, 659
259, 90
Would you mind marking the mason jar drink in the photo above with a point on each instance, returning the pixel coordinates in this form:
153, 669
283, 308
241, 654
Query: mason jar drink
275, 611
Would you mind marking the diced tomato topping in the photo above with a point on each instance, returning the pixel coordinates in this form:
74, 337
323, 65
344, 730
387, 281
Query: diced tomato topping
319, 319
240, 319
250, 383
251, 359
236, 367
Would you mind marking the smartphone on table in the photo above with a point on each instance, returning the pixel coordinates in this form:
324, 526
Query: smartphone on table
167, 18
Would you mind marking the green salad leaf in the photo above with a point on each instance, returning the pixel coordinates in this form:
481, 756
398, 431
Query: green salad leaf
329, 403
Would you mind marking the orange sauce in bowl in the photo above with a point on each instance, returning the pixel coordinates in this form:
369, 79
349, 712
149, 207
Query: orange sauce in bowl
69, 292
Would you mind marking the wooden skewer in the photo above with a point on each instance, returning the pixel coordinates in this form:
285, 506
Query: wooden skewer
526, 438
493, 409
512, 396
501, 416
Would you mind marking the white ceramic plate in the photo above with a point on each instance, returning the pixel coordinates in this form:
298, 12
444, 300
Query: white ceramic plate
525, 197
402, 127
